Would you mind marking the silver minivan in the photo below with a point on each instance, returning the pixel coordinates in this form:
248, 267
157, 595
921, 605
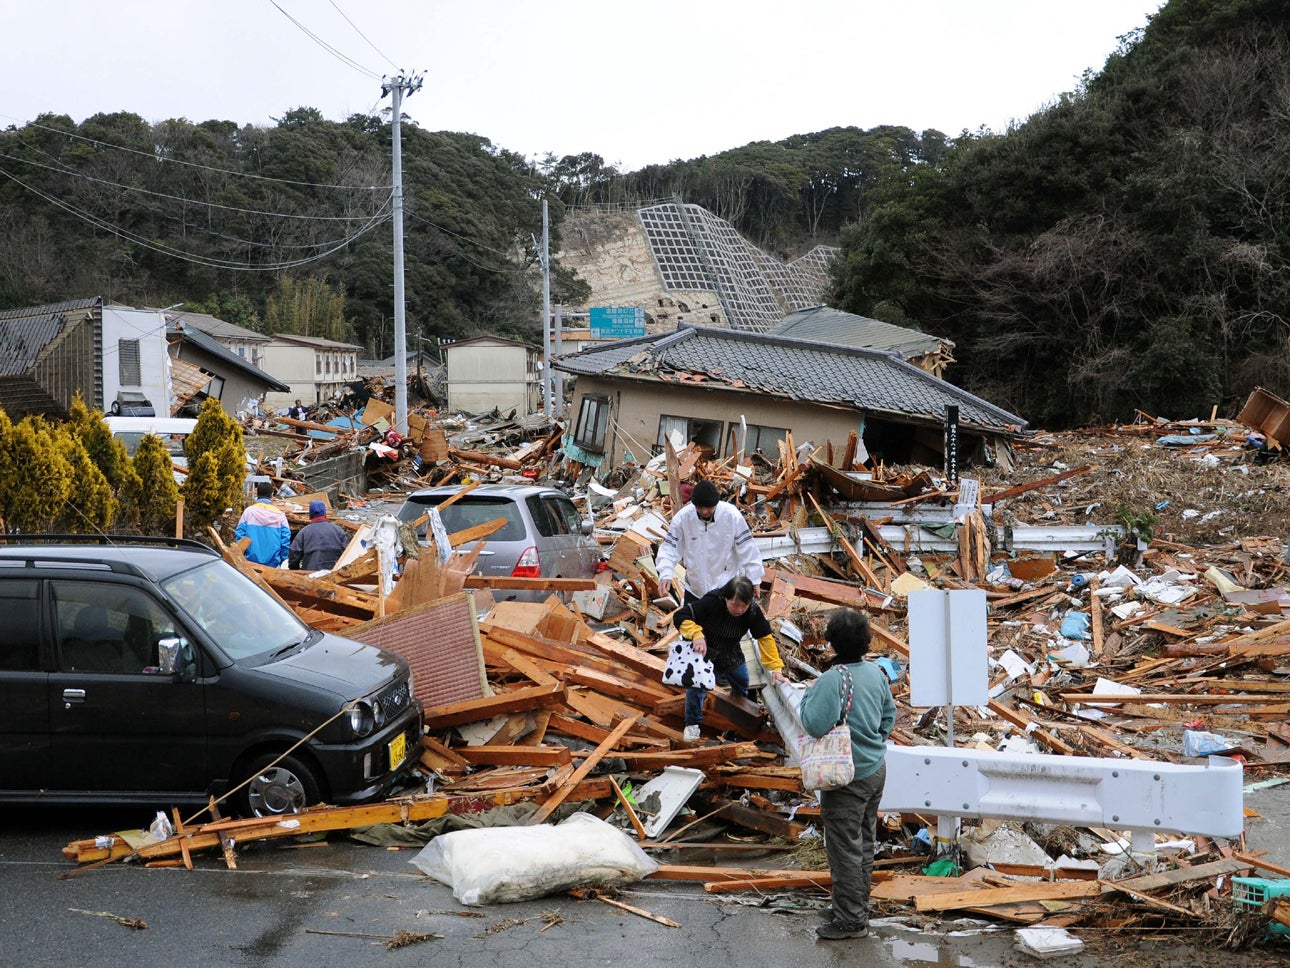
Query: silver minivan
544, 536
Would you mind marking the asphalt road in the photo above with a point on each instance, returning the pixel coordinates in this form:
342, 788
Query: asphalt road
310, 907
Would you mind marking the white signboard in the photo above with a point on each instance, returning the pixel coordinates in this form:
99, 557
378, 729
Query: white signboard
947, 648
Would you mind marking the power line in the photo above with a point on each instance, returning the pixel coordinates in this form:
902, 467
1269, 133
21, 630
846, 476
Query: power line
207, 261
347, 61
62, 169
363, 35
447, 231
193, 164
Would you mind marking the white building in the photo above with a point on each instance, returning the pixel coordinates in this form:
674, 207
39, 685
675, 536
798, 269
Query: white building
316, 369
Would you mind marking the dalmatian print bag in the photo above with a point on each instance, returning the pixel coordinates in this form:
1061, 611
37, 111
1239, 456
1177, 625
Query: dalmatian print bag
687, 668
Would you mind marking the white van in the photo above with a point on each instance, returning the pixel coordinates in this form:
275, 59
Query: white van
172, 430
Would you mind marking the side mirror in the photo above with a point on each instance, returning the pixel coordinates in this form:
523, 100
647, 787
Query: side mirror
174, 656
588, 526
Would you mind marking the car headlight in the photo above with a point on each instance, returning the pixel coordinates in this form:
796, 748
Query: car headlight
378, 714
361, 718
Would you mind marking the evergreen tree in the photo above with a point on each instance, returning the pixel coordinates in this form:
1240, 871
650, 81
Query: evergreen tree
216, 467
151, 494
35, 477
91, 507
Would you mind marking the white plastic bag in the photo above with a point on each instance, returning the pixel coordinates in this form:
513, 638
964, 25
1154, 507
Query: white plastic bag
493, 865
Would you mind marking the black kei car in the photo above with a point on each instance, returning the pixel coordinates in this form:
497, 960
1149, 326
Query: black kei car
152, 671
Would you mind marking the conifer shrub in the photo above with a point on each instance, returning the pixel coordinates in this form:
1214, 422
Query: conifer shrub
216, 467
150, 494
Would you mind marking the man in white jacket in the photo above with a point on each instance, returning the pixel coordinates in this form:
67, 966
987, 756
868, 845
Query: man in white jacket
713, 541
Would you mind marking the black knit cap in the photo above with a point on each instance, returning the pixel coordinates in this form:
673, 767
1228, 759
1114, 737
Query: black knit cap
705, 495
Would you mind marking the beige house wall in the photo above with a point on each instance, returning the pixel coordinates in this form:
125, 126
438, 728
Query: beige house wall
482, 376
636, 407
298, 366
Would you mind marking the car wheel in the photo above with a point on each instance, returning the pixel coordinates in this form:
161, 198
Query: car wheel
287, 786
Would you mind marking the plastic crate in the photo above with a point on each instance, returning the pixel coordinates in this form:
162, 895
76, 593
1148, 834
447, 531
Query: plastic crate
1254, 892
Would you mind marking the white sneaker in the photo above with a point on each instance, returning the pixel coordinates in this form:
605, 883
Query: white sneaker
691, 734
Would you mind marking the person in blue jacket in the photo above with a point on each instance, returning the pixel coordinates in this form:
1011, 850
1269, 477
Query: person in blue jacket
850, 813
267, 528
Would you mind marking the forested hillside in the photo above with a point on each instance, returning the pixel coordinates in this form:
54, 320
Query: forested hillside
1127, 248
285, 228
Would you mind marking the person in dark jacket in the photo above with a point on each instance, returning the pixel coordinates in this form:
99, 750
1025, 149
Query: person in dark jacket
850, 813
319, 544
714, 624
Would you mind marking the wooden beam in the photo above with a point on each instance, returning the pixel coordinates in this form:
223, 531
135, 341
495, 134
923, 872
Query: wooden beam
631, 812
516, 755
531, 584
588, 764
989, 896
474, 710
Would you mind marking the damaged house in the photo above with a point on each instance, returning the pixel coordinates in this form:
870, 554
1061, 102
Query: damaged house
224, 367
114, 356
738, 393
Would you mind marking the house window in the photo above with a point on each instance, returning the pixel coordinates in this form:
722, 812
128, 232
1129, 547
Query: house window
764, 439
705, 433
318, 364
128, 361
593, 419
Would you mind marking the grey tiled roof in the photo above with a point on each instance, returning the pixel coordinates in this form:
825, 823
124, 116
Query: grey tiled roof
217, 349
827, 325
25, 332
873, 380
216, 327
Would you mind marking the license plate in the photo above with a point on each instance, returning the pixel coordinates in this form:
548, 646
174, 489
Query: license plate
398, 750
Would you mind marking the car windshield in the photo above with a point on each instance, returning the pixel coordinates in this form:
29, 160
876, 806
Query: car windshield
236, 613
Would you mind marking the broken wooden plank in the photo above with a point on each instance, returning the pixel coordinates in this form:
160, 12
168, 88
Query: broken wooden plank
588, 764
490, 755
985, 897
474, 710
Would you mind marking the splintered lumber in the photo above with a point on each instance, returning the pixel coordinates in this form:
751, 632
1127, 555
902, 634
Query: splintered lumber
479, 457
988, 896
317, 820
1197, 699
639, 912
857, 560
474, 710
641, 833
1043, 482
566, 726
516, 755
436, 756
629, 655
750, 817
531, 584
588, 764
477, 532
608, 685
823, 589
698, 756
821, 880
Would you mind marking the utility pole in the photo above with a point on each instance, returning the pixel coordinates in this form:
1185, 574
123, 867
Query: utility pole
545, 259
396, 86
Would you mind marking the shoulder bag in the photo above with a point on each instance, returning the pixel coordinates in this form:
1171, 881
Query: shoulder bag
826, 761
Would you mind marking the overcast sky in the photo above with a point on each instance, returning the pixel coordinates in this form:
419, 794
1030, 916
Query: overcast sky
638, 83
